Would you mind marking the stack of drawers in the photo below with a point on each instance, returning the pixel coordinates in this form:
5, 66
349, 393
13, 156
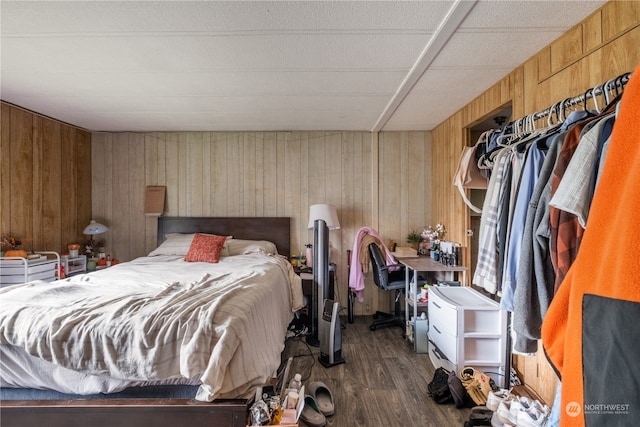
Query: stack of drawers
14, 271
466, 329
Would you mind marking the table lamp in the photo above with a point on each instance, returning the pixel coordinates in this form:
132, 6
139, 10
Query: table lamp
95, 228
327, 213
92, 229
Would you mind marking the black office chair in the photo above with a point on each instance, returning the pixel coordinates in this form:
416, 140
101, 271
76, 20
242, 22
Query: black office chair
389, 281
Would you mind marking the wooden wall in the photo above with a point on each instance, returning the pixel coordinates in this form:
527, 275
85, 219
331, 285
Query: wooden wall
379, 180
603, 46
45, 180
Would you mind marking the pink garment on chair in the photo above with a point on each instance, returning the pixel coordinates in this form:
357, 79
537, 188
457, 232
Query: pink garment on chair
356, 276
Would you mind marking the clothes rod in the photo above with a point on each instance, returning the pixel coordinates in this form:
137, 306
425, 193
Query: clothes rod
619, 81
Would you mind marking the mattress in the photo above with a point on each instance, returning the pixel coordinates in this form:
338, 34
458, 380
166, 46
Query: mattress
155, 320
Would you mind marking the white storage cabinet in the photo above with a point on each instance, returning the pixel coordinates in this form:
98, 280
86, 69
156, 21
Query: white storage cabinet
466, 329
75, 265
14, 270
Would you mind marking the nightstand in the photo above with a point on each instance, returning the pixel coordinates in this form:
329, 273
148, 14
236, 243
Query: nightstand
304, 314
306, 274
74, 265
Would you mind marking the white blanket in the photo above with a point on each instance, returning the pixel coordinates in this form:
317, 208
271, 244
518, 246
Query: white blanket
158, 319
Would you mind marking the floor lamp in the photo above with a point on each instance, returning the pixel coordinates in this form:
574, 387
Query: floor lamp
322, 218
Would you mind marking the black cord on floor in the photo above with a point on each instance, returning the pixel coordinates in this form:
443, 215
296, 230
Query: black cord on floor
308, 354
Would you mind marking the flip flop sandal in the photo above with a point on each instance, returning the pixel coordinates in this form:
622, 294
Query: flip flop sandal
311, 414
323, 397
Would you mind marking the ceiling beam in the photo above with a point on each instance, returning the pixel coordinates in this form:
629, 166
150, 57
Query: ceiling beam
447, 28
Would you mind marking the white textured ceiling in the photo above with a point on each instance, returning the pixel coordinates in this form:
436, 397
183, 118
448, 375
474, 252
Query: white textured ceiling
266, 65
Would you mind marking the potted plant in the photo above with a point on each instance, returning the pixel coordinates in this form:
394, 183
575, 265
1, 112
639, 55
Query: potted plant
413, 238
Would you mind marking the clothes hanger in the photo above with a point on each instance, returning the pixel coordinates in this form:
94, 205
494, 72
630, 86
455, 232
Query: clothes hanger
611, 86
556, 111
595, 100
515, 131
563, 109
585, 100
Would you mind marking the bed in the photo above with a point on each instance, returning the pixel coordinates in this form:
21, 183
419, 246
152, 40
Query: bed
155, 341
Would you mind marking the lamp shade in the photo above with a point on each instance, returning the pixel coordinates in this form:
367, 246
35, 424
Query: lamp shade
327, 213
95, 228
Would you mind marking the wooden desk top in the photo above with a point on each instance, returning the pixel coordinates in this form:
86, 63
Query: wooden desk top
428, 264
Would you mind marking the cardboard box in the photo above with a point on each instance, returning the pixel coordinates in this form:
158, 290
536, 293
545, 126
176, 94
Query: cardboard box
405, 252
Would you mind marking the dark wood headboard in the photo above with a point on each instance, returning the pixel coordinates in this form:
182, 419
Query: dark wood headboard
274, 229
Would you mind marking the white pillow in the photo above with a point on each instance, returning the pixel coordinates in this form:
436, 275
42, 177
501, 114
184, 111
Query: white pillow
179, 244
244, 247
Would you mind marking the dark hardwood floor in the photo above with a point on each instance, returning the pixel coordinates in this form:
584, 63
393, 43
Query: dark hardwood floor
382, 383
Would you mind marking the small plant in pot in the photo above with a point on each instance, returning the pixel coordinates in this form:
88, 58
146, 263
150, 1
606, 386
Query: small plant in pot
414, 239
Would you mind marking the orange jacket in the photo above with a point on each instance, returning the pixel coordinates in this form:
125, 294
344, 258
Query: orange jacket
591, 332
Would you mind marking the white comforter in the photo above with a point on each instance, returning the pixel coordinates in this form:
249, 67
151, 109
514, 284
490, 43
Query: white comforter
155, 319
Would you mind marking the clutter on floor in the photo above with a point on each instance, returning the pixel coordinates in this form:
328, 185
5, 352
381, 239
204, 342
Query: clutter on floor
311, 403
490, 405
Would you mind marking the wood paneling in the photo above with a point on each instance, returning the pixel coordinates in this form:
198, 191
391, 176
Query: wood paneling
566, 49
45, 183
619, 16
21, 180
592, 32
543, 59
602, 47
5, 169
265, 174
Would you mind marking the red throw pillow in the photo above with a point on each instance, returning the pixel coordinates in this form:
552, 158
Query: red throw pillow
205, 248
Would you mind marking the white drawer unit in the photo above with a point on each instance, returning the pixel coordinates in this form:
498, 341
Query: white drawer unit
466, 329
20, 270
75, 265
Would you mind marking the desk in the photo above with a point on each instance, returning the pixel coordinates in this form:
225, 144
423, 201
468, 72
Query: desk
425, 264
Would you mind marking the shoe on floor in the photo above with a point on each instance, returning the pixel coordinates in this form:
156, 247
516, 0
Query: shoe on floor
323, 397
503, 412
480, 416
535, 415
532, 418
495, 397
495, 422
311, 413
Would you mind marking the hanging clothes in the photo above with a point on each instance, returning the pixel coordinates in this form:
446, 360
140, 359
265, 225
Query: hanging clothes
590, 332
526, 187
574, 195
518, 239
566, 232
528, 180
535, 273
486, 270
